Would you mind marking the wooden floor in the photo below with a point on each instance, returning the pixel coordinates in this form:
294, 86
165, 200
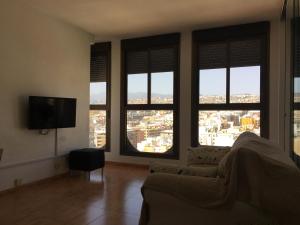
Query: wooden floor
76, 201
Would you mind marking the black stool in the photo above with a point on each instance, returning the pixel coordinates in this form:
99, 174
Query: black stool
87, 159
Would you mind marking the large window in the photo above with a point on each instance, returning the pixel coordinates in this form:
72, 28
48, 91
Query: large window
100, 95
291, 14
149, 96
230, 92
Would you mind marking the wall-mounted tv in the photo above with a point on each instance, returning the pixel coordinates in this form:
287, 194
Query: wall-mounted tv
51, 112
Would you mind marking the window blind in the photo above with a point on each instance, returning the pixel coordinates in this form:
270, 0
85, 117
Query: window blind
245, 53
151, 54
99, 63
212, 55
137, 62
157, 60
163, 60
296, 49
235, 53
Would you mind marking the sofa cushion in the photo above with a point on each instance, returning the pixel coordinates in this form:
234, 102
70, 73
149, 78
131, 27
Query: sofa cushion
206, 155
164, 168
200, 171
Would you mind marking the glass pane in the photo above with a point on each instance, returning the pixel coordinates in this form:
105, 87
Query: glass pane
245, 84
98, 93
151, 130
297, 89
212, 86
221, 128
137, 88
162, 88
97, 128
297, 132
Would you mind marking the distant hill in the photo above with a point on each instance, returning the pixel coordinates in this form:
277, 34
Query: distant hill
139, 95
100, 97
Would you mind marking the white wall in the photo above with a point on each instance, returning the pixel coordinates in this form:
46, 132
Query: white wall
276, 97
38, 56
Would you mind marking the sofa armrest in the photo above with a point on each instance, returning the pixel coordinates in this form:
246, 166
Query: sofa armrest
197, 190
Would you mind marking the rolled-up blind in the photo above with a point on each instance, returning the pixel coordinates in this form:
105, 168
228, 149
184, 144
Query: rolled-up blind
296, 49
240, 53
137, 62
245, 53
151, 54
157, 60
212, 55
99, 64
163, 60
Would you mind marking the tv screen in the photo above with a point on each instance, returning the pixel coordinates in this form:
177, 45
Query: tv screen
51, 112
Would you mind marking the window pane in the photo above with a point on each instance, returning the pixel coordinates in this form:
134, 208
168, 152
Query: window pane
297, 89
221, 128
98, 93
97, 128
297, 132
212, 86
162, 88
245, 84
151, 130
137, 88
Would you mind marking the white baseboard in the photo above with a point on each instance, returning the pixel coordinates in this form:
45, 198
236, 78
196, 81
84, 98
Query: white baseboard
27, 172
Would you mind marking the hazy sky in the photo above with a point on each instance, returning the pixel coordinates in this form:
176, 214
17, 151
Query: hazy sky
212, 82
297, 85
98, 87
242, 80
162, 83
137, 83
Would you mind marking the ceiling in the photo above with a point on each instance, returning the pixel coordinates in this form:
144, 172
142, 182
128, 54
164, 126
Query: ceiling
129, 18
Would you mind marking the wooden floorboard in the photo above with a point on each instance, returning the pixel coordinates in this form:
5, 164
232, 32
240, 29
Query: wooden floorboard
74, 200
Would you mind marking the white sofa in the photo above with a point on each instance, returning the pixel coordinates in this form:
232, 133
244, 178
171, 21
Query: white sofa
234, 196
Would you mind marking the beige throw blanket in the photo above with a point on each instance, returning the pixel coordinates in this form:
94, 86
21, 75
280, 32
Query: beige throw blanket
256, 171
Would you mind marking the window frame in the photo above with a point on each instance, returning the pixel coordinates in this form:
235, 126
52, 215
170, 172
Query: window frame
149, 43
105, 49
259, 30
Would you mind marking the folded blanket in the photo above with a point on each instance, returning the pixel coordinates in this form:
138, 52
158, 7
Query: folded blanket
262, 174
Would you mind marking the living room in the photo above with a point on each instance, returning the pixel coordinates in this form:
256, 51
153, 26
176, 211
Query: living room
169, 81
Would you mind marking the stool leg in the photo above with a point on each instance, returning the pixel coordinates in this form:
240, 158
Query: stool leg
88, 175
102, 173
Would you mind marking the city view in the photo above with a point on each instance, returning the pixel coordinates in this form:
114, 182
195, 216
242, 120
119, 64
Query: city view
297, 116
97, 134
150, 130
221, 128
97, 125
244, 85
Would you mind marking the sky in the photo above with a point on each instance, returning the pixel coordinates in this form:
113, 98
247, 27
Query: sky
211, 82
98, 87
297, 85
97, 90
242, 80
162, 83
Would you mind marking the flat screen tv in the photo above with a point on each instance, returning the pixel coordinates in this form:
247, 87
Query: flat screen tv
51, 112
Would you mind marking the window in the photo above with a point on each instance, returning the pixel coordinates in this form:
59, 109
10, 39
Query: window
149, 96
100, 96
292, 29
230, 92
